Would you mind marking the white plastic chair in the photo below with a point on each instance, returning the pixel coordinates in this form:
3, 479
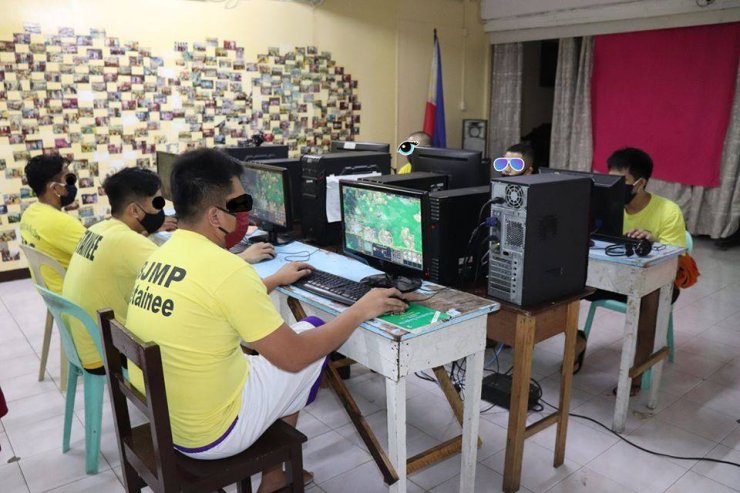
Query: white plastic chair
37, 259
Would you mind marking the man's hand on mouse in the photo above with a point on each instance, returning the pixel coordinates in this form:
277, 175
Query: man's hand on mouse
258, 252
380, 301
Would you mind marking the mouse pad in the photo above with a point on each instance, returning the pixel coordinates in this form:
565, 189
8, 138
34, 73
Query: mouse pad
415, 317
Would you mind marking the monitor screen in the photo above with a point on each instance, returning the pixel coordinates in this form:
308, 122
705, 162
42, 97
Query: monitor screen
342, 146
465, 168
268, 186
165, 163
383, 223
266, 151
607, 200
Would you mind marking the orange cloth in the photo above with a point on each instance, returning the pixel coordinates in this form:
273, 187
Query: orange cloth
688, 272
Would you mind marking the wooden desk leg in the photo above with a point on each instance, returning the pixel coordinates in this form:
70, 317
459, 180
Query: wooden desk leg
523, 349
396, 396
629, 346
471, 421
661, 333
566, 378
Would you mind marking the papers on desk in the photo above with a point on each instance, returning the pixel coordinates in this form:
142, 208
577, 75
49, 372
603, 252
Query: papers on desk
333, 208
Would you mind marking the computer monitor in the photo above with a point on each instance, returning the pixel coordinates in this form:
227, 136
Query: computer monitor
269, 187
253, 153
387, 227
165, 163
607, 201
342, 146
465, 168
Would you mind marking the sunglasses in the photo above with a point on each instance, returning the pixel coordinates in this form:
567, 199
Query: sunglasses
242, 203
516, 163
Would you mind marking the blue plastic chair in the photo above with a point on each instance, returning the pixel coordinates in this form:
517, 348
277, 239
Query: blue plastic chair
618, 306
61, 308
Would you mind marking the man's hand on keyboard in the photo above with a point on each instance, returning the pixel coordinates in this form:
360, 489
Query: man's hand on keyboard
380, 302
290, 273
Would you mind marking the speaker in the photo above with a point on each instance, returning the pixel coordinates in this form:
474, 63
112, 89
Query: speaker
475, 135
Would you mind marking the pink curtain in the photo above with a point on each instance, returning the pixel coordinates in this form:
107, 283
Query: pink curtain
668, 92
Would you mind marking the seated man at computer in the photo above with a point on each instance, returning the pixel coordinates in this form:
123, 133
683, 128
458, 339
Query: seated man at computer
421, 139
646, 216
198, 302
525, 153
43, 225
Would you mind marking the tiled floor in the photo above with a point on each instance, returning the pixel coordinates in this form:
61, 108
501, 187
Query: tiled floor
698, 413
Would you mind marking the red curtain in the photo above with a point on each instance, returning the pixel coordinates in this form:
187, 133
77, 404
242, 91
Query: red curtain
668, 92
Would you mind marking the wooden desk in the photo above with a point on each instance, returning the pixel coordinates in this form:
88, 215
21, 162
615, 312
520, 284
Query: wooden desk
636, 277
521, 329
396, 353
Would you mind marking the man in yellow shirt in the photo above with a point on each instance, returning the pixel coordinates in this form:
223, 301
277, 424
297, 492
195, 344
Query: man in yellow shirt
43, 225
198, 302
646, 216
111, 253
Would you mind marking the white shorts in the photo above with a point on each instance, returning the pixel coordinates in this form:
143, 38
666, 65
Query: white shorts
269, 394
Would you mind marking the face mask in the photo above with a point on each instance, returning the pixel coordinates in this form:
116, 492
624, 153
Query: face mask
71, 195
242, 225
152, 222
629, 193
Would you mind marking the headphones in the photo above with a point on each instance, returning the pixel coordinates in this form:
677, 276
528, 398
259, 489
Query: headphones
640, 247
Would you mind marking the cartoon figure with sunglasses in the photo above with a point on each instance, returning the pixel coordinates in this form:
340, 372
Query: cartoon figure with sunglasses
518, 160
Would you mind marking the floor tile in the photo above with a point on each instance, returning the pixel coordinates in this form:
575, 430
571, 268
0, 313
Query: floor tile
665, 438
34, 408
6, 451
722, 473
330, 455
486, 479
637, 470
33, 438
699, 419
692, 482
717, 397
733, 439
538, 473
587, 480
53, 469
103, 482
11, 479
364, 479
583, 444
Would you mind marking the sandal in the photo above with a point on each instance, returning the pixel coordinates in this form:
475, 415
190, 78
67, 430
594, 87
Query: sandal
580, 352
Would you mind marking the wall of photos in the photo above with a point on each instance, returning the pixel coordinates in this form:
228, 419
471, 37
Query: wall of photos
93, 81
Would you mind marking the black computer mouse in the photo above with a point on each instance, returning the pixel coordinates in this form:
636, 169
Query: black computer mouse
257, 239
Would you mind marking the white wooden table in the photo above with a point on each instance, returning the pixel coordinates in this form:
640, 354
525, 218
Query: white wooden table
396, 353
636, 277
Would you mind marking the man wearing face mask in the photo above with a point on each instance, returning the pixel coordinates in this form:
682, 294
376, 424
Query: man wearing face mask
197, 301
43, 225
646, 216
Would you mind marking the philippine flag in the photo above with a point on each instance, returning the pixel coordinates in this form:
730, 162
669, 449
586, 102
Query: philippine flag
434, 115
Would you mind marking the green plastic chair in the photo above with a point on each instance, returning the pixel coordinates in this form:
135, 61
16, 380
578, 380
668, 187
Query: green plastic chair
61, 308
618, 306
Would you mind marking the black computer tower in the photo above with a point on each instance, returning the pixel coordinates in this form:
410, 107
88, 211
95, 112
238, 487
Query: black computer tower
316, 167
540, 248
295, 170
453, 217
417, 180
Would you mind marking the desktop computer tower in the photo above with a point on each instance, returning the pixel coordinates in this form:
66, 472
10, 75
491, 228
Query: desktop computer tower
417, 180
540, 228
295, 168
453, 217
316, 167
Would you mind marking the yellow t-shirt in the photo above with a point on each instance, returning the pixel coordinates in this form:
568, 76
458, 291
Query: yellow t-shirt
101, 274
662, 218
54, 233
197, 301
406, 168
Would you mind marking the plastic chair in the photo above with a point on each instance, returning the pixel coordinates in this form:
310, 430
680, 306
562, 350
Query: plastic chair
61, 308
148, 457
618, 306
37, 259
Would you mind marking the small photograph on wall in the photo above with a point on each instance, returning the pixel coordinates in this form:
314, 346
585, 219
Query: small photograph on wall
89, 198
26, 193
9, 255
13, 173
3, 209
87, 211
86, 182
12, 199
14, 217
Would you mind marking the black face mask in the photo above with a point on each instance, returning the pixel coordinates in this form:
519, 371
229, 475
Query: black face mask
629, 193
71, 195
152, 222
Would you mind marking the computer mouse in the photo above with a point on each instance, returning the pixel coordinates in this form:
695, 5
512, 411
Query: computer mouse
257, 239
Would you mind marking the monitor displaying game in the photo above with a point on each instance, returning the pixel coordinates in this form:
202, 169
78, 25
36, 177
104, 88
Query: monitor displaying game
268, 186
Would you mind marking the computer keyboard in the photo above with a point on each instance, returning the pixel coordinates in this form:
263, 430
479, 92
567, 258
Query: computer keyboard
333, 287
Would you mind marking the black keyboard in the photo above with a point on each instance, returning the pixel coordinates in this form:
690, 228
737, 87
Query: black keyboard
333, 287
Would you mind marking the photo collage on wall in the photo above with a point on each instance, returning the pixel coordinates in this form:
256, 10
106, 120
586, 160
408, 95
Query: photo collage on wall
105, 103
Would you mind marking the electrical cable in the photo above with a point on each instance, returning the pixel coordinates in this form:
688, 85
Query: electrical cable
652, 452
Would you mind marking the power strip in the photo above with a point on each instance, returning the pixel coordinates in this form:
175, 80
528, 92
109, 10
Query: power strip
497, 390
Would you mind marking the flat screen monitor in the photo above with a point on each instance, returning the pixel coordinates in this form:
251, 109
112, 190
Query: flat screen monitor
269, 187
385, 225
343, 146
256, 153
607, 201
165, 163
464, 167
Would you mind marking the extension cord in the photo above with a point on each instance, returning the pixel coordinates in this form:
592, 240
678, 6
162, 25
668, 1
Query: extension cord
497, 391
